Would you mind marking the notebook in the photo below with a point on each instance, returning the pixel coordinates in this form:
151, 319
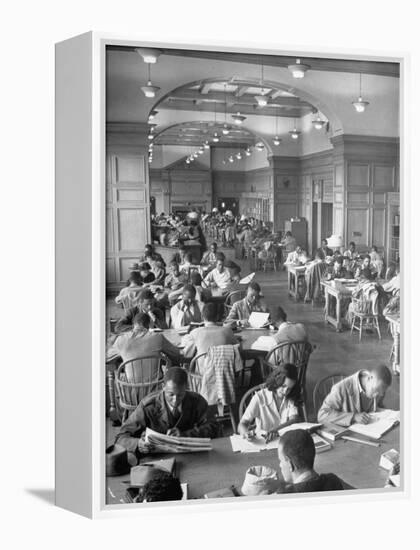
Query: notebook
246, 280
380, 423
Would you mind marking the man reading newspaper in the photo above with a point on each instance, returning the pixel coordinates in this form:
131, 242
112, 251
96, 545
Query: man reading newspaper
172, 411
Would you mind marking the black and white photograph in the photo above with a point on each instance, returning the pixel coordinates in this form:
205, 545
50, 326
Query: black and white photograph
252, 259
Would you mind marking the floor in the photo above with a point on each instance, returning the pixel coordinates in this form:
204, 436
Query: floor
335, 352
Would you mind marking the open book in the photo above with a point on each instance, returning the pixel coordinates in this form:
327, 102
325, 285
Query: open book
258, 319
170, 444
380, 422
246, 280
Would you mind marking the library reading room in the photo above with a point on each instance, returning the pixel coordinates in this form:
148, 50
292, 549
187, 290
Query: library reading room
252, 274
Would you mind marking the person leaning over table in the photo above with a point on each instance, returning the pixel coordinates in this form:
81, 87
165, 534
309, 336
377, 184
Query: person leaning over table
146, 304
208, 261
365, 271
219, 277
296, 453
252, 302
172, 411
275, 406
187, 310
140, 341
351, 400
199, 340
288, 331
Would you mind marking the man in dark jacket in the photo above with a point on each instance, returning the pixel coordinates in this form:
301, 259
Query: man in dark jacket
296, 456
146, 304
172, 411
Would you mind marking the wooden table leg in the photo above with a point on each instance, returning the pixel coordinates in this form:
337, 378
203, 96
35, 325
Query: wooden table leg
339, 326
327, 306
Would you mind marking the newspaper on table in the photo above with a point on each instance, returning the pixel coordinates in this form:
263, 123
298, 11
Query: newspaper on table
171, 444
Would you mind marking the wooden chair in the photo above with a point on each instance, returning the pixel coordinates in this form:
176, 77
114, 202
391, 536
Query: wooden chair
138, 377
231, 298
195, 379
322, 389
363, 317
246, 398
297, 353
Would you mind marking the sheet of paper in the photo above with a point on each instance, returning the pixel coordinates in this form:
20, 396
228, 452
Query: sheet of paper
265, 343
258, 319
242, 445
246, 280
380, 422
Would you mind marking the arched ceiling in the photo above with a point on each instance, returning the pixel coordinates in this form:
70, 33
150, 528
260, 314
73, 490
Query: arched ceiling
198, 89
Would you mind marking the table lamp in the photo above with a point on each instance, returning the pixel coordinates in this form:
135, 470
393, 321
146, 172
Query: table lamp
335, 242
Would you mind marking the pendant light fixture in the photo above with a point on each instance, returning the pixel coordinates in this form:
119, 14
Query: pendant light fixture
318, 123
149, 55
149, 90
294, 133
238, 155
261, 99
276, 139
259, 146
206, 145
360, 105
152, 115
238, 118
299, 69
248, 152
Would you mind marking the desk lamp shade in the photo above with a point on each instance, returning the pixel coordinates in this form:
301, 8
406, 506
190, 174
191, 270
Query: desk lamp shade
335, 241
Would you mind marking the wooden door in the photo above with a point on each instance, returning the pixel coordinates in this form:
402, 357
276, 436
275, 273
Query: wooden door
128, 218
326, 220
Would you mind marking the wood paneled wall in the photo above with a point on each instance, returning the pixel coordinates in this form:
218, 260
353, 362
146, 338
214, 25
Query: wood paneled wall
180, 184
366, 169
127, 199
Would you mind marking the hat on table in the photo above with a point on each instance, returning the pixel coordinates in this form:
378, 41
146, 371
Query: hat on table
117, 461
260, 480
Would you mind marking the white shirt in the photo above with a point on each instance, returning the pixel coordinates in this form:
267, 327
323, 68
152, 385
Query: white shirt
222, 280
263, 409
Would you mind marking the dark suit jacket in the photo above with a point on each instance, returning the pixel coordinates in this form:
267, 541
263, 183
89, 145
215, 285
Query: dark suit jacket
153, 412
126, 322
322, 482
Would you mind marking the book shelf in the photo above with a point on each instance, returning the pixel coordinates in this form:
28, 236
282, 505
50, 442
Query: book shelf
393, 248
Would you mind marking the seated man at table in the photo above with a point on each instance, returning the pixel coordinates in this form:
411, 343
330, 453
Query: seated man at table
187, 310
146, 304
365, 271
198, 341
140, 341
179, 256
324, 250
296, 457
288, 331
352, 399
219, 277
338, 271
208, 261
173, 411
150, 255
174, 281
351, 251
147, 276
252, 302
235, 276
297, 257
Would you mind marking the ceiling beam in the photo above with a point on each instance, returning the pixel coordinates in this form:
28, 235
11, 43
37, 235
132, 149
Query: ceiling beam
245, 109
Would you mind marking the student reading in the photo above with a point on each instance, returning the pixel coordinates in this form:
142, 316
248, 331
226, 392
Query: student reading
275, 406
173, 411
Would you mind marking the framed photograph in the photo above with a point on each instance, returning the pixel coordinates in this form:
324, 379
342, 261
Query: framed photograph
228, 263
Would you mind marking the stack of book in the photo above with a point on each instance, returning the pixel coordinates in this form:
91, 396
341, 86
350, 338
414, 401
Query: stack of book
170, 444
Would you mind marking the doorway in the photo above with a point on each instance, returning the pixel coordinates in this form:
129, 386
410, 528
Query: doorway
322, 222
